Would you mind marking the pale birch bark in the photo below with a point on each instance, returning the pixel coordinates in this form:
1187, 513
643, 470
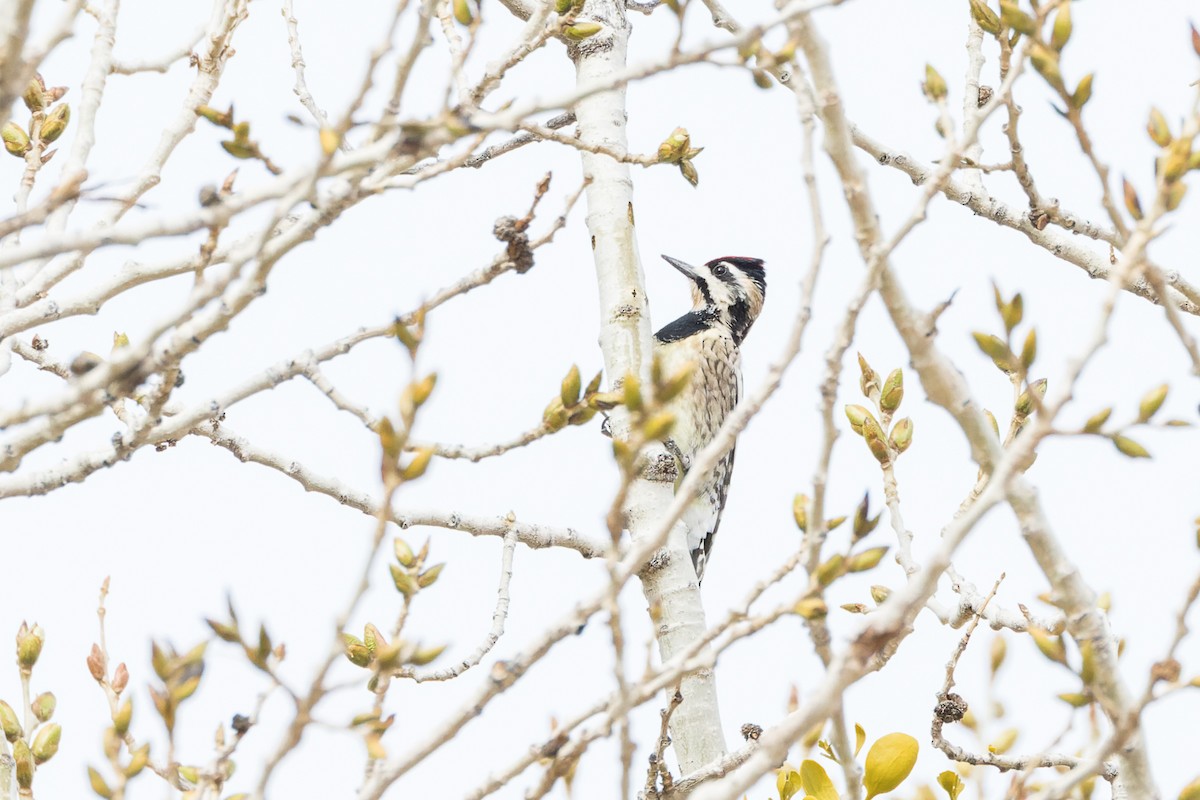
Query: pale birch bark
669, 582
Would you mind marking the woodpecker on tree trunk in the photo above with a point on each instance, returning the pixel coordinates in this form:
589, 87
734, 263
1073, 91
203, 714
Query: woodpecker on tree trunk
727, 296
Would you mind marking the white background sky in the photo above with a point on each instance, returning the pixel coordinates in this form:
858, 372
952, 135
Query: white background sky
179, 530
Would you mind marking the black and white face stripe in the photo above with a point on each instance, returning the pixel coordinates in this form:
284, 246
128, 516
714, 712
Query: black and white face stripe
727, 291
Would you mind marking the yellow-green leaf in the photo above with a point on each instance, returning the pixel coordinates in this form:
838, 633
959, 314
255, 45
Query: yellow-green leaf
787, 782
1191, 791
860, 737
953, 784
889, 762
816, 781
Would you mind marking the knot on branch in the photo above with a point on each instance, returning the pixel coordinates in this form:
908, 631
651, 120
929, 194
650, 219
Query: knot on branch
951, 708
512, 232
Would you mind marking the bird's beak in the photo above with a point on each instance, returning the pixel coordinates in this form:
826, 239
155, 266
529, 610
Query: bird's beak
684, 267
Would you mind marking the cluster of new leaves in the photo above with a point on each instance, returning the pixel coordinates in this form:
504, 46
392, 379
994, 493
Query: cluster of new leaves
889, 762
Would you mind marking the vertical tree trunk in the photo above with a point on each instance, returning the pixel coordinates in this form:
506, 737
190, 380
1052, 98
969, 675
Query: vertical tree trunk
625, 338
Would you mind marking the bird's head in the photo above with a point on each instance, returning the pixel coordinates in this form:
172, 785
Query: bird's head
731, 289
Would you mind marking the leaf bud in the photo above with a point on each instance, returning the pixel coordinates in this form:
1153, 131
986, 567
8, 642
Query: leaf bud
831, 569
863, 522
1132, 203
688, 169
999, 650
984, 17
29, 645
358, 654
1087, 661
812, 608
1004, 742
35, 93
422, 389
893, 391
1156, 126
1011, 312
992, 419
873, 435
9, 722
98, 785
1050, 646
934, 86
1176, 189
45, 743
1045, 61
880, 594
582, 30
96, 663
24, 759
1061, 32
632, 389
658, 426
1083, 92
995, 348
43, 706
123, 717
55, 123
673, 148
867, 559
223, 119
1029, 349
901, 436
425, 655
16, 141
462, 12
420, 462
1076, 699
403, 552
858, 415
1151, 403
405, 584
1017, 19
1129, 447
869, 380
1025, 404
430, 576
800, 511
572, 385
555, 416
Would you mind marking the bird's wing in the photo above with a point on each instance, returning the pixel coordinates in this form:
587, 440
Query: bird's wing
719, 486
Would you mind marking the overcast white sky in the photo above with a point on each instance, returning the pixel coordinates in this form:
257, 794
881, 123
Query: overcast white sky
180, 530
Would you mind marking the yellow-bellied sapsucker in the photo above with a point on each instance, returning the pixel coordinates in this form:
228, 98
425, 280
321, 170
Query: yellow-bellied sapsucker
727, 295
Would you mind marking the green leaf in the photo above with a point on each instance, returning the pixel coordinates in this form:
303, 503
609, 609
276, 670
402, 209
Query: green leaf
889, 762
816, 781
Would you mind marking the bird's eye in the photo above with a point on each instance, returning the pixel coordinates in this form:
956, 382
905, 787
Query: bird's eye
720, 270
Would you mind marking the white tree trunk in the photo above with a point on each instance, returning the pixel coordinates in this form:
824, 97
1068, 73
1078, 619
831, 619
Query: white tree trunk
669, 582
